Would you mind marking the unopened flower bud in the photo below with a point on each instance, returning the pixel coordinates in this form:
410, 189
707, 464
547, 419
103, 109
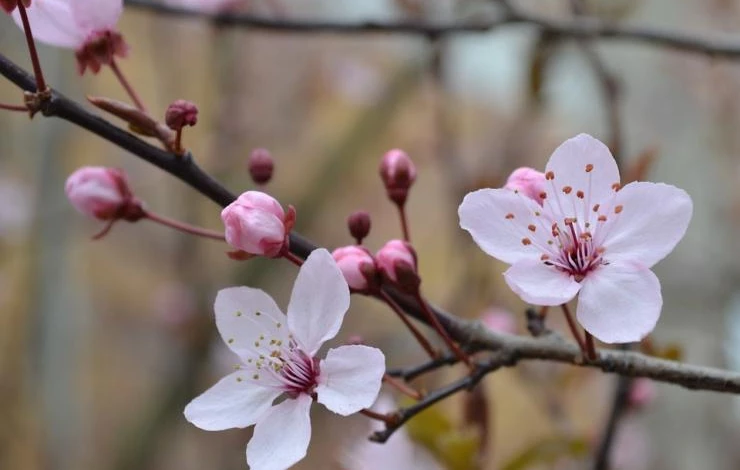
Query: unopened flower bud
359, 225
527, 181
397, 262
398, 174
357, 266
181, 113
257, 224
642, 393
102, 193
499, 320
261, 166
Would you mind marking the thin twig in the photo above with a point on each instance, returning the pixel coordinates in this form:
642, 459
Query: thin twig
412, 372
619, 404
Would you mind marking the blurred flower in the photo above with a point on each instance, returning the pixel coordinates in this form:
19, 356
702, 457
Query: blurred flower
174, 305
642, 393
529, 182
499, 320
181, 113
398, 174
17, 211
204, 6
278, 355
359, 225
590, 236
397, 260
357, 266
100, 192
631, 449
398, 453
356, 80
10, 5
87, 26
257, 224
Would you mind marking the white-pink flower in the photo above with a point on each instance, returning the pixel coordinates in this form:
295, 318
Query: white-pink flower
590, 238
87, 26
278, 358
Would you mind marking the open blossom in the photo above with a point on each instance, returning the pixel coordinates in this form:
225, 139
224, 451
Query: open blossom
590, 238
87, 26
257, 224
278, 359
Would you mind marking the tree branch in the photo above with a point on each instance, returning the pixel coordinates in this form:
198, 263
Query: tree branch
472, 335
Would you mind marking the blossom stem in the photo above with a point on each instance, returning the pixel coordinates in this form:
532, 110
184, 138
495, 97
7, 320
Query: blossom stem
402, 387
126, 85
13, 107
590, 347
443, 333
415, 331
183, 227
404, 222
36, 63
574, 328
178, 141
387, 419
292, 258
543, 312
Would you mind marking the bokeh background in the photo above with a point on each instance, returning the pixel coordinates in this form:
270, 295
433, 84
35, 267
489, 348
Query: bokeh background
103, 343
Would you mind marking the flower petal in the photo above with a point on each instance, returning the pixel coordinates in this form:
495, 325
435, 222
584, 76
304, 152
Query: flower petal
97, 15
53, 23
568, 164
620, 302
540, 284
232, 403
281, 436
497, 219
248, 319
350, 378
653, 218
319, 301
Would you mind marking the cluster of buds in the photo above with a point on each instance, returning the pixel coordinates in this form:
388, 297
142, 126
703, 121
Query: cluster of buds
104, 194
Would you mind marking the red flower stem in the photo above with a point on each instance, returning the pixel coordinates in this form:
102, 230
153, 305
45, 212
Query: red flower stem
543, 312
590, 348
443, 333
13, 107
574, 328
183, 227
178, 141
417, 334
40, 82
402, 387
292, 258
404, 222
389, 420
126, 85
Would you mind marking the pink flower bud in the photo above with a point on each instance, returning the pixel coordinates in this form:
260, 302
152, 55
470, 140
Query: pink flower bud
499, 320
398, 174
181, 113
100, 192
261, 166
359, 225
527, 181
357, 266
257, 224
642, 393
397, 261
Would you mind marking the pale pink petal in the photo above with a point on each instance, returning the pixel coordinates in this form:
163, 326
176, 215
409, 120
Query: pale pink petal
350, 378
568, 166
653, 218
620, 302
281, 436
232, 403
248, 319
97, 15
319, 301
497, 221
539, 284
53, 23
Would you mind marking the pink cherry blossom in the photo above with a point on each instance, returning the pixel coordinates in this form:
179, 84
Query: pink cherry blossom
256, 223
590, 238
87, 26
400, 452
356, 264
98, 192
394, 256
278, 359
528, 181
499, 320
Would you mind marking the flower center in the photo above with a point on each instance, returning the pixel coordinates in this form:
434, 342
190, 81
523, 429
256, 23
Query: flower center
578, 254
283, 365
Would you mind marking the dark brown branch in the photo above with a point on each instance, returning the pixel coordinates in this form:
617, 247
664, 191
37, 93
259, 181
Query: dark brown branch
573, 28
472, 335
412, 372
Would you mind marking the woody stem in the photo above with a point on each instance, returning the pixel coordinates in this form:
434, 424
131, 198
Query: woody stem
414, 331
13, 107
442, 332
590, 348
126, 85
402, 387
574, 328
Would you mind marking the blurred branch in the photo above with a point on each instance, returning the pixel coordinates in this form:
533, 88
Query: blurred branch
472, 335
619, 405
574, 28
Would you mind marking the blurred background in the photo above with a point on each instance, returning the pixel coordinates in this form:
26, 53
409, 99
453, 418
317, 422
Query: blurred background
103, 343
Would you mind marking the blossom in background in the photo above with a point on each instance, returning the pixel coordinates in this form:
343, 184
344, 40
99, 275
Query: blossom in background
499, 320
590, 238
17, 211
99, 192
204, 6
398, 453
87, 26
257, 224
278, 358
